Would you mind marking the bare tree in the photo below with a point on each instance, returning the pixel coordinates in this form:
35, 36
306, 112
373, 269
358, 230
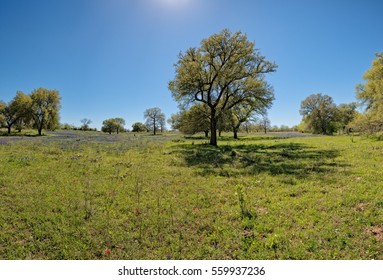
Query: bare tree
265, 123
154, 117
85, 123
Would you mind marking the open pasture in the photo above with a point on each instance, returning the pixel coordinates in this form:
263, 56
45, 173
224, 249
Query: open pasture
86, 195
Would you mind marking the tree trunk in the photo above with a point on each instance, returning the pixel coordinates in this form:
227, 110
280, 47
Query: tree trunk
39, 124
219, 133
235, 131
154, 125
213, 128
9, 129
206, 133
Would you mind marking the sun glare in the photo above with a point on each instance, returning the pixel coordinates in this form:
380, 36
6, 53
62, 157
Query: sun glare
173, 3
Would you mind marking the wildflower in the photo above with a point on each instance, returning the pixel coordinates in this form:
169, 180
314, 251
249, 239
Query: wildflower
107, 251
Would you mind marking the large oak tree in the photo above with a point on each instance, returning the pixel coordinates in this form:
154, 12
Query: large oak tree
224, 71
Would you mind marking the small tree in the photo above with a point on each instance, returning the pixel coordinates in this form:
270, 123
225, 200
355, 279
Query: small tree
243, 112
85, 124
224, 122
108, 126
17, 111
319, 113
10, 115
120, 122
265, 123
154, 117
247, 126
162, 123
346, 114
113, 125
174, 121
139, 127
45, 107
67, 126
194, 120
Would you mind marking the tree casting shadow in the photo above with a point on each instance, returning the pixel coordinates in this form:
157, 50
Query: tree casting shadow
294, 159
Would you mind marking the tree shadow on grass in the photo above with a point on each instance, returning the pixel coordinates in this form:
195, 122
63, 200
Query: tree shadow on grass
228, 138
294, 159
19, 134
257, 137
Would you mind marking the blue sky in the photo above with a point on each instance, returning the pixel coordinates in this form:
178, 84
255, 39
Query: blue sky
114, 58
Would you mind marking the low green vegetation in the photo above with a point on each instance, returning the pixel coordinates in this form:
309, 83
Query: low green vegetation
88, 195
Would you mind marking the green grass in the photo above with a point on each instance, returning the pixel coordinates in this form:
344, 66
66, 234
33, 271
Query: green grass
146, 197
23, 133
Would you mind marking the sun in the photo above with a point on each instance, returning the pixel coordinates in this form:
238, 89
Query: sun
173, 3
169, 7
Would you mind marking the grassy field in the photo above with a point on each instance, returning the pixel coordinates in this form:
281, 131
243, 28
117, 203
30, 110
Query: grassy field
96, 196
